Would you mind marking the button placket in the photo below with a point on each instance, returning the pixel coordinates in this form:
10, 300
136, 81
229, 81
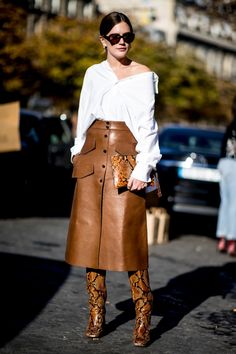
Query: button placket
104, 150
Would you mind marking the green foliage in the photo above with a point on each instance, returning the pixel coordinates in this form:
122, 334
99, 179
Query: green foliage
12, 34
186, 90
53, 63
12, 23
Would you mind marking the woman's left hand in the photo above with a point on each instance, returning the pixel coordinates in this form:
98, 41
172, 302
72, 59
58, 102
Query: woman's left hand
135, 184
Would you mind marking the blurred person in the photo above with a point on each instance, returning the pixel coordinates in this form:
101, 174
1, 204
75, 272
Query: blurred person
107, 229
226, 226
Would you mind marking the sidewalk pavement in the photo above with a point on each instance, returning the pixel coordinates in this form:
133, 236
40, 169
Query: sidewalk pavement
44, 301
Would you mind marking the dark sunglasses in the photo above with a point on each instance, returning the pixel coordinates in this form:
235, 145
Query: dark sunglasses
114, 38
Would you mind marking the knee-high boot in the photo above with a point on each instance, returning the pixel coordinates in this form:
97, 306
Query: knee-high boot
143, 300
96, 287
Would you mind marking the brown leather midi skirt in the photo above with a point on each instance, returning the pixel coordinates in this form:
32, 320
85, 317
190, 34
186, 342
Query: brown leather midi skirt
107, 228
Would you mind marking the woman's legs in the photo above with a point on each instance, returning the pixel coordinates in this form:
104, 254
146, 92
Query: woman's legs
223, 215
143, 300
141, 295
96, 286
226, 226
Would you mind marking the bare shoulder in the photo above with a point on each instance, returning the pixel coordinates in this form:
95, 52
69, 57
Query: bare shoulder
138, 68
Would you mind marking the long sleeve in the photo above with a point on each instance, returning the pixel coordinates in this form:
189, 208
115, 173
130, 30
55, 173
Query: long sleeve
139, 99
84, 114
97, 81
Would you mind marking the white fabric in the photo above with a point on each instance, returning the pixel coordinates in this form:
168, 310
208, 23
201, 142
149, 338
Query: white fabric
130, 100
109, 108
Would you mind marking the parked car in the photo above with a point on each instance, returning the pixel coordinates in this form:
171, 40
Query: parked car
50, 135
35, 177
188, 169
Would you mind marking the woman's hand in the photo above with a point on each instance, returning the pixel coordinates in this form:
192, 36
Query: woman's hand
135, 184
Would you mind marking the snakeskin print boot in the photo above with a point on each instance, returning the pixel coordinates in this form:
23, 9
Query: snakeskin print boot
143, 300
97, 298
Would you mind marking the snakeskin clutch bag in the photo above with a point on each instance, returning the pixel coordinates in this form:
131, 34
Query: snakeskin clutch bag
122, 167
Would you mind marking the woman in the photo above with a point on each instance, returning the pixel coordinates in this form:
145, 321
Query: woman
107, 228
226, 226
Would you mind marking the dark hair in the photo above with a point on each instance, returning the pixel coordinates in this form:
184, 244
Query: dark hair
112, 19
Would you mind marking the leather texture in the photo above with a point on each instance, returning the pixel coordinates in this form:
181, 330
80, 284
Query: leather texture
107, 228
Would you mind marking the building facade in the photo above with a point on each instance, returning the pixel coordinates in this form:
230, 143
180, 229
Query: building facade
39, 11
207, 28
204, 27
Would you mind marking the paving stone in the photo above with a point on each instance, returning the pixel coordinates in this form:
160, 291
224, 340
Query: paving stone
44, 301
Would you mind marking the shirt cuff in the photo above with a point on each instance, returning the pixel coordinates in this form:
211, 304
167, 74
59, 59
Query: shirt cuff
76, 148
141, 173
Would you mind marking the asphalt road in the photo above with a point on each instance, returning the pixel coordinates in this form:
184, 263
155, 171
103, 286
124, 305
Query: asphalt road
44, 301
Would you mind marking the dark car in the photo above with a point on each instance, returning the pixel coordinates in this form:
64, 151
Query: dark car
188, 169
49, 136
36, 178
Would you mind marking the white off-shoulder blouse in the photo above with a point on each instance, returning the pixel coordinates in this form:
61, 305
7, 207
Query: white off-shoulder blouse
131, 100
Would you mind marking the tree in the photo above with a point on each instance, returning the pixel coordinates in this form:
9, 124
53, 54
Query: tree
12, 34
187, 91
53, 64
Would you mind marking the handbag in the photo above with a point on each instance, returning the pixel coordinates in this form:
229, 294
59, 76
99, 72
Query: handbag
122, 167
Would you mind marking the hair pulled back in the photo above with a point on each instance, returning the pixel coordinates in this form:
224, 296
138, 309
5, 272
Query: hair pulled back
112, 19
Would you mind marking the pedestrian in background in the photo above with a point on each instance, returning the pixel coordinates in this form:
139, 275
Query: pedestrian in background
226, 226
107, 229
